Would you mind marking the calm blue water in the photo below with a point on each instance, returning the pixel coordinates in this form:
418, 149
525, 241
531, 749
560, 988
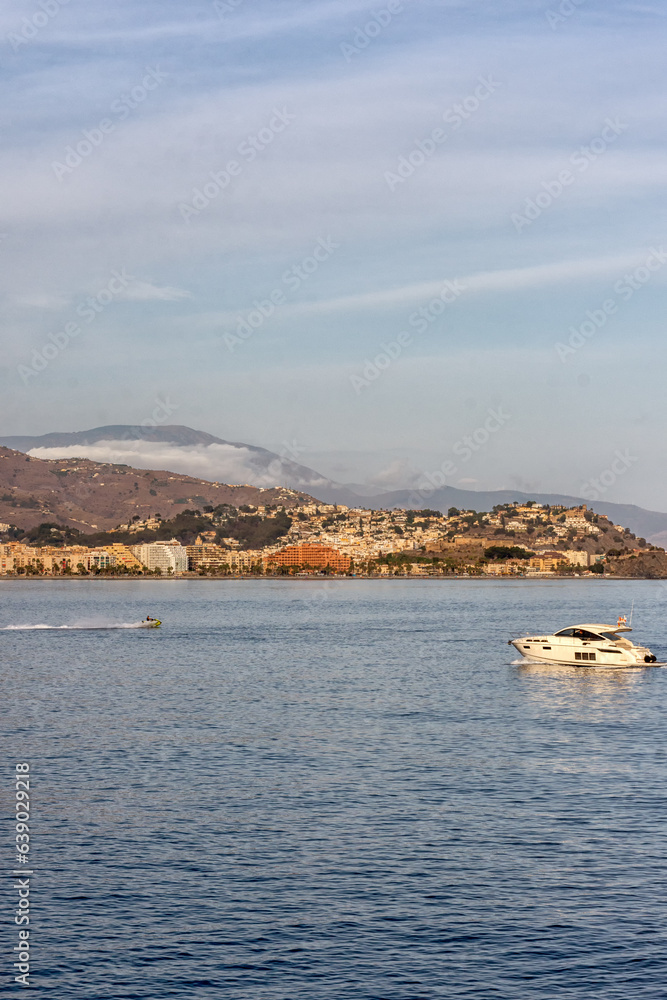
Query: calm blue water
336, 791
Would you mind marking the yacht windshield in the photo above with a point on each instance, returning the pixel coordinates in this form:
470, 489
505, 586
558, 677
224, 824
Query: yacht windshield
612, 636
578, 633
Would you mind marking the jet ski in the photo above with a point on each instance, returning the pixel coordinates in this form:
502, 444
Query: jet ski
150, 623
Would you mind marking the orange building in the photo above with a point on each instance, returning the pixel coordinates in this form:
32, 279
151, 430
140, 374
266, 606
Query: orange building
310, 556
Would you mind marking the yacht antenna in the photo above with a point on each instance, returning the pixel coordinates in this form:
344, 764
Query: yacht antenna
631, 612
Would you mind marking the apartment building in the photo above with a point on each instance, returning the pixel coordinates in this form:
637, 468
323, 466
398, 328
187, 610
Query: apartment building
16, 557
213, 557
309, 555
165, 556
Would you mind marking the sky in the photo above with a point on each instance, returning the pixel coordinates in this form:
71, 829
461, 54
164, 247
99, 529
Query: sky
390, 239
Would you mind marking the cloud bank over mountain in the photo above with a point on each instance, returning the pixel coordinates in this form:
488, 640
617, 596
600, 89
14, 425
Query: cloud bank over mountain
224, 463
178, 449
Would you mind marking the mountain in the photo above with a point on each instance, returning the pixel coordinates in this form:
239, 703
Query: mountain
196, 453
93, 495
178, 448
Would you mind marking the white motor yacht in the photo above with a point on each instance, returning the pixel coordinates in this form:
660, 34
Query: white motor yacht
586, 645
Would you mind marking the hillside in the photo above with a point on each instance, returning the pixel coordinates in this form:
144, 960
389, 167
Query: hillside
650, 524
650, 565
536, 527
511, 540
93, 495
196, 453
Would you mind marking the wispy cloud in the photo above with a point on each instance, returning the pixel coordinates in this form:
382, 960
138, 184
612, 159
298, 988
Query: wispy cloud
245, 21
506, 280
145, 291
42, 300
353, 121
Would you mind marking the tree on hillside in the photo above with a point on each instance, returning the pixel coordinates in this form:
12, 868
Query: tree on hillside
502, 552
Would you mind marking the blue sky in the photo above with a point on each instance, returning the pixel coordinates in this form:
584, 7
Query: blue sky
486, 109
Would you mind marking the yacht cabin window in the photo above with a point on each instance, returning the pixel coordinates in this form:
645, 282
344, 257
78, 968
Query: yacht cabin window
579, 633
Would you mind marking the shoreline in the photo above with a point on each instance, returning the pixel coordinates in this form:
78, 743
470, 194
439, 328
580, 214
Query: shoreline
121, 578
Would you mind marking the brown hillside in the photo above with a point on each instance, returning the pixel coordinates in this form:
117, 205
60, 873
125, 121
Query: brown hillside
651, 565
86, 494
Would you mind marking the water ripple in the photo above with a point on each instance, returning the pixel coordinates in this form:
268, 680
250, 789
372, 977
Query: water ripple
351, 795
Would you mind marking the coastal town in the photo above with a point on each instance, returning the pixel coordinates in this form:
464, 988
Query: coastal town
512, 540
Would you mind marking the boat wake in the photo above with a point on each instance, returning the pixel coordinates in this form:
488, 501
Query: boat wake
71, 628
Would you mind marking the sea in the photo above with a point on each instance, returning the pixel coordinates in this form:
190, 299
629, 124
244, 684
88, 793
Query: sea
327, 789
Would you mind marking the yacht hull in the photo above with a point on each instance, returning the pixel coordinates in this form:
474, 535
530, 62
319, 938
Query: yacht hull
568, 660
573, 652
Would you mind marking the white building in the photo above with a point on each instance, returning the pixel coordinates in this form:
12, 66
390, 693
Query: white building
575, 518
576, 558
164, 556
